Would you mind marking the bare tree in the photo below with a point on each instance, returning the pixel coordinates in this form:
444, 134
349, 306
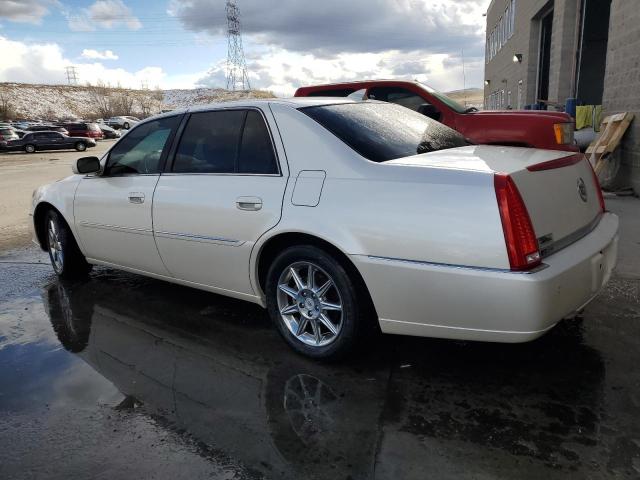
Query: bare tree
102, 100
7, 110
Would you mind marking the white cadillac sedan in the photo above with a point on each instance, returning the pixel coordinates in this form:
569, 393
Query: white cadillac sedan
338, 216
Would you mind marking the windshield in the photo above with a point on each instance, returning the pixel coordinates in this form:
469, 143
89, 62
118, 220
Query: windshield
384, 131
444, 99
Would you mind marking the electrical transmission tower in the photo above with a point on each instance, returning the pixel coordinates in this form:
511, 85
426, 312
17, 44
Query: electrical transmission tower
72, 75
237, 78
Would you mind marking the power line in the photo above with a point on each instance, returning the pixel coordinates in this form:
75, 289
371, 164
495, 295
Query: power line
236, 63
72, 75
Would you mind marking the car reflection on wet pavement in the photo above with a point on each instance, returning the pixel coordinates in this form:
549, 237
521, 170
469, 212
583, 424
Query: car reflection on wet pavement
123, 376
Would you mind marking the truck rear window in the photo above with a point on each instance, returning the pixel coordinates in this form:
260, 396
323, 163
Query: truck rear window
383, 131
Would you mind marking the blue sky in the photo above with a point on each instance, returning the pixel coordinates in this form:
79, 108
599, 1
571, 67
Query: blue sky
181, 43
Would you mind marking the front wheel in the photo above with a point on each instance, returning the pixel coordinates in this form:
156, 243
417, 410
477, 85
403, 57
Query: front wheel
81, 146
66, 258
314, 302
29, 148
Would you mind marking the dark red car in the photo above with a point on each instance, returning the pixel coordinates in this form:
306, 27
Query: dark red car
539, 129
83, 129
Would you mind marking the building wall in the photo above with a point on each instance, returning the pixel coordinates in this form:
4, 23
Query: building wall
503, 73
622, 82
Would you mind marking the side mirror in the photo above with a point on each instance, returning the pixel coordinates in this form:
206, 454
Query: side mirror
86, 165
430, 111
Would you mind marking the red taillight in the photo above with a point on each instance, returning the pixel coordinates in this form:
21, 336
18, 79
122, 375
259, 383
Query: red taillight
522, 245
596, 183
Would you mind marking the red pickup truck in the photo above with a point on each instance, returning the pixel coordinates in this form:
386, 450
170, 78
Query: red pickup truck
539, 129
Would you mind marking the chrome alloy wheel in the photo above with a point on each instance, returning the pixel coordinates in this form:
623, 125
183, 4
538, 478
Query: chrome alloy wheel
55, 247
310, 304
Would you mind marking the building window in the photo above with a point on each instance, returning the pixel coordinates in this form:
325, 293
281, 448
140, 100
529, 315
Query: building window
509, 106
512, 18
520, 92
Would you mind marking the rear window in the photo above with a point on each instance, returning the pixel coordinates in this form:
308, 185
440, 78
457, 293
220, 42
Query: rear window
383, 131
338, 92
6, 131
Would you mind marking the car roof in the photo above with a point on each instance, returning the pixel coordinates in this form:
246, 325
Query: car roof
294, 102
357, 83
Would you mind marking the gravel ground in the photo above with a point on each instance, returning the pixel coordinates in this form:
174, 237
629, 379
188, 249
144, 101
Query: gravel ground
123, 377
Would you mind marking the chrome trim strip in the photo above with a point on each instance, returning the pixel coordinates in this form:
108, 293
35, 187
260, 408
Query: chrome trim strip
462, 267
564, 242
117, 228
199, 238
221, 174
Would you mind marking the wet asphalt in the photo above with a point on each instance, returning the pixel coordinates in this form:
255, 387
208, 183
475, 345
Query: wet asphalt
123, 377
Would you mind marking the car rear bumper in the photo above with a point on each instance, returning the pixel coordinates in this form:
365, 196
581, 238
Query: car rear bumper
432, 300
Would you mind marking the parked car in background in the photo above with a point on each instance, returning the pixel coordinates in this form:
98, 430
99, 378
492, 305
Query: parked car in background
47, 128
84, 129
378, 216
19, 132
109, 132
8, 133
39, 141
125, 122
539, 129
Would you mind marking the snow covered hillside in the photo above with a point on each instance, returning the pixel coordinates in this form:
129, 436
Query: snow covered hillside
53, 102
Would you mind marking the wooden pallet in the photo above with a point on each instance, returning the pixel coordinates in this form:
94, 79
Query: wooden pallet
612, 130
600, 152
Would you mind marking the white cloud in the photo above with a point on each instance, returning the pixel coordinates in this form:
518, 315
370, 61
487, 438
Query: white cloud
26, 11
91, 54
102, 13
282, 72
45, 63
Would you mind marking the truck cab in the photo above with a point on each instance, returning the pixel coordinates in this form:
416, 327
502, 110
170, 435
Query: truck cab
539, 129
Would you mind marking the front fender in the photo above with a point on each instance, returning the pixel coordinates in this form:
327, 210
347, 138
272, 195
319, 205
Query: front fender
60, 196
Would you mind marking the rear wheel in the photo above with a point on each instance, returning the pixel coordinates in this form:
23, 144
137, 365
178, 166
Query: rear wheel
66, 258
81, 146
314, 302
29, 148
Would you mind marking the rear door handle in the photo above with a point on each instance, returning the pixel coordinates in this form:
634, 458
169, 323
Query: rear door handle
249, 203
136, 197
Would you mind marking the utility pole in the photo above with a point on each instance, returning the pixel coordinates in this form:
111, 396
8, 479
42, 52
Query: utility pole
72, 75
464, 81
237, 78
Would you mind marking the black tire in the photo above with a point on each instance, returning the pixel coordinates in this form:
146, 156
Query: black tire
126, 125
30, 148
81, 146
353, 308
66, 258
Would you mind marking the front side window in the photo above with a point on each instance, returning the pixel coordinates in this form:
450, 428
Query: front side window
400, 96
384, 131
140, 150
225, 141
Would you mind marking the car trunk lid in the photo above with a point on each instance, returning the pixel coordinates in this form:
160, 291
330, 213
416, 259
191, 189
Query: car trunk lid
559, 189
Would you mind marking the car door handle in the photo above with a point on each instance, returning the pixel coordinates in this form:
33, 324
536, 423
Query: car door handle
136, 197
249, 203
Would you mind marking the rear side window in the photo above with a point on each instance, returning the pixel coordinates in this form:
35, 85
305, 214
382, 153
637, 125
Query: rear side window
398, 95
225, 141
256, 151
140, 150
384, 131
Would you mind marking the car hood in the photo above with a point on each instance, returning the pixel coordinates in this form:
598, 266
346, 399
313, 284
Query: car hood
565, 117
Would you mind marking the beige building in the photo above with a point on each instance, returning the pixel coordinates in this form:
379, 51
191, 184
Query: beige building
542, 52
